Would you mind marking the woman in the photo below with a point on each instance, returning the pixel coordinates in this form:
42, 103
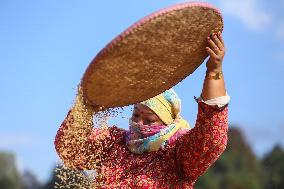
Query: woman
159, 150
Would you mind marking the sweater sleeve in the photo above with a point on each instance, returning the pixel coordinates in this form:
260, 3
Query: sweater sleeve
83, 146
201, 146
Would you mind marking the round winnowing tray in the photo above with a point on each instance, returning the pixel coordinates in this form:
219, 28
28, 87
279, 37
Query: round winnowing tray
151, 56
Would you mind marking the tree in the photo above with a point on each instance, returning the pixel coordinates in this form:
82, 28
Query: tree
273, 164
9, 176
237, 167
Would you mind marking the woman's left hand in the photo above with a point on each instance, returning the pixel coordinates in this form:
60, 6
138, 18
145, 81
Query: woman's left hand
216, 51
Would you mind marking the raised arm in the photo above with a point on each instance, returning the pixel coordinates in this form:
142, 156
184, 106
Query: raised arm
214, 83
80, 145
198, 149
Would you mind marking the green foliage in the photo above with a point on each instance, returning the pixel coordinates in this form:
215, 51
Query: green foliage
9, 176
237, 167
273, 163
208, 180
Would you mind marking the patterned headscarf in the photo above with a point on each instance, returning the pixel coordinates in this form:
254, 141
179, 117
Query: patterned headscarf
145, 138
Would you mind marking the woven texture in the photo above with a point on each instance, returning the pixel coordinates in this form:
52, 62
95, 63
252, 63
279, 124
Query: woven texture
151, 56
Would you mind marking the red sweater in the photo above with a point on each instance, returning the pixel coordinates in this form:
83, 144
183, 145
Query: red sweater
177, 166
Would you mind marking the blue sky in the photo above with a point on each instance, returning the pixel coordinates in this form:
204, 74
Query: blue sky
45, 47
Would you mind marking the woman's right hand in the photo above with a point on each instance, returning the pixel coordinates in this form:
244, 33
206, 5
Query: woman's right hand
216, 51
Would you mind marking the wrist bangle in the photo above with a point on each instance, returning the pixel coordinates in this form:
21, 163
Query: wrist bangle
215, 76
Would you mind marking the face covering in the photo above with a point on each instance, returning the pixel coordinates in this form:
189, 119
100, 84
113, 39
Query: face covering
148, 138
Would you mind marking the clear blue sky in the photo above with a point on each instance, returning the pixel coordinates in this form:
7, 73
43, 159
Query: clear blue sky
45, 47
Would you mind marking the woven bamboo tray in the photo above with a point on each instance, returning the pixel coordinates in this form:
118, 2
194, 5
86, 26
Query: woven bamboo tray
152, 55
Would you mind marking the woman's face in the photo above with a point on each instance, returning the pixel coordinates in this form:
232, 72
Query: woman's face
144, 115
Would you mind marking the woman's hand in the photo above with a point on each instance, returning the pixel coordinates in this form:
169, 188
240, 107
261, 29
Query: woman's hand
216, 51
213, 88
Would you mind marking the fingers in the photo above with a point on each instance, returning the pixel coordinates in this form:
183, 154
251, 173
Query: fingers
221, 39
213, 45
216, 43
210, 52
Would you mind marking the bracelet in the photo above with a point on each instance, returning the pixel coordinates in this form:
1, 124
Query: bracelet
217, 75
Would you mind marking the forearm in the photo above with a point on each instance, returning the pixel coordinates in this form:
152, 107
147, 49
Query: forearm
213, 88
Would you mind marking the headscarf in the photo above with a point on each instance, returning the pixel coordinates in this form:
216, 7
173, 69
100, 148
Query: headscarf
147, 138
